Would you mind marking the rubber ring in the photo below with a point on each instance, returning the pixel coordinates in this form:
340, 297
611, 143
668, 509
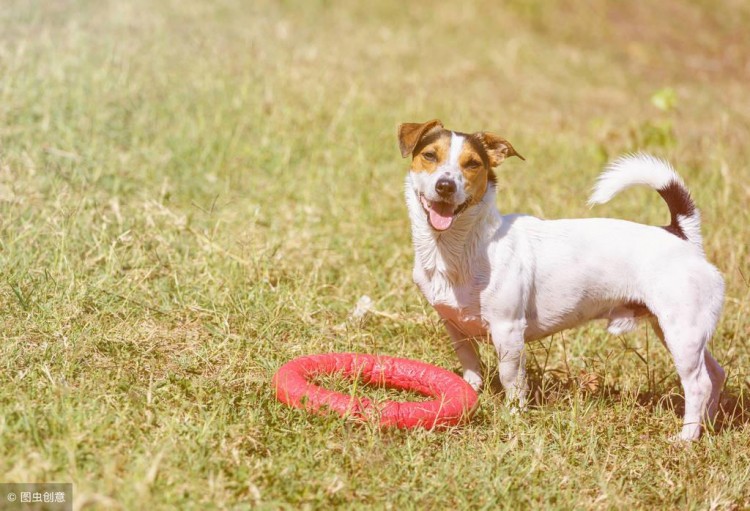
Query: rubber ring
454, 399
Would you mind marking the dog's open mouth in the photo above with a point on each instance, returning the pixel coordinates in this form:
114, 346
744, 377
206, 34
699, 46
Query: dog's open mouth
441, 214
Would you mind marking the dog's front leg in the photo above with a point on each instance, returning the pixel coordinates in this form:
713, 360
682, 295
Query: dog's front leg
466, 350
508, 339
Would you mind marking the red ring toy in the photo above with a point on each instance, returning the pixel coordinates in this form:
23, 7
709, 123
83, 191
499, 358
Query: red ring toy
454, 398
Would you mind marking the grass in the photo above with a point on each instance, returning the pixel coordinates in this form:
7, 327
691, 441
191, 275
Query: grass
193, 193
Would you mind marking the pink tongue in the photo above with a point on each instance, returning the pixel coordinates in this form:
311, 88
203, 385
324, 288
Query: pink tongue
441, 215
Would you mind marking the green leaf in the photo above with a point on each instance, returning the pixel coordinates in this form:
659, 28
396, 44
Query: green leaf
665, 99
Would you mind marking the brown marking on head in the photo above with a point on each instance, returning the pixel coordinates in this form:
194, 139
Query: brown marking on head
410, 133
430, 144
497, 148
489, 150
476, 167
431, 151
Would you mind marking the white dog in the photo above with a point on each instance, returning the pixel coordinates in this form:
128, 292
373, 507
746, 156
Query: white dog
520, 278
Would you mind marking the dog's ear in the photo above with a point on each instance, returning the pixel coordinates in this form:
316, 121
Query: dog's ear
497, 148
410, 133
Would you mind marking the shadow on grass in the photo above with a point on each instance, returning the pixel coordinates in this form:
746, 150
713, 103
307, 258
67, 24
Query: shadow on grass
557, 386
733, 413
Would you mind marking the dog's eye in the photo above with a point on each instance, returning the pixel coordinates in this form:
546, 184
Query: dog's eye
472, 164
429, 156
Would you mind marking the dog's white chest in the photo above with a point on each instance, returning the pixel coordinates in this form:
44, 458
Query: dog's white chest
468, 324
459, 305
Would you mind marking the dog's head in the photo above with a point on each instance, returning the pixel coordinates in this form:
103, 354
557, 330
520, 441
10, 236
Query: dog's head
450, 171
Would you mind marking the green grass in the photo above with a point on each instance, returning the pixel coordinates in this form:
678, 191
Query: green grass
193, 193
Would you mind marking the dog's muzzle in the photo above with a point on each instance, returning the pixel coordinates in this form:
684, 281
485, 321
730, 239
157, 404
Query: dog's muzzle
441, 214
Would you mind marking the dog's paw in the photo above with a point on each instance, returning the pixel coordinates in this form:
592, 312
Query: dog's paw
515, 405
474, 380
687, 436
680, 441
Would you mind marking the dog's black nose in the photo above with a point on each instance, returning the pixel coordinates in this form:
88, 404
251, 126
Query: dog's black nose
445, 187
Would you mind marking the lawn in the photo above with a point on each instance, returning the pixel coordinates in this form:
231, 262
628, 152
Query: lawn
193, 193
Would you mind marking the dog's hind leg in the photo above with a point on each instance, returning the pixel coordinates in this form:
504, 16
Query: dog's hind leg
688, 352
696, 383
466, 350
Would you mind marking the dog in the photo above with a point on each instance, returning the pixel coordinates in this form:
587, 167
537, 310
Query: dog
517, 278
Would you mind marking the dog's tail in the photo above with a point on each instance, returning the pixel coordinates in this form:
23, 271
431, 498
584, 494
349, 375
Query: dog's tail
644, 169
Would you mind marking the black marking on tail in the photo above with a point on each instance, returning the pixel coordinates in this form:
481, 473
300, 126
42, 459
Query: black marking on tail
680, 203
